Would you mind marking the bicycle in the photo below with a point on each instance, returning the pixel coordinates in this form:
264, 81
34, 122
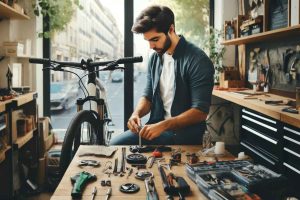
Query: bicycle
96, 127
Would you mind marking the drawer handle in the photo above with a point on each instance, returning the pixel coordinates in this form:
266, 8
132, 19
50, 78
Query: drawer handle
292, 152
259, 123
291, 130
258, 116
291, 140
291, 167
257, 153
259, 134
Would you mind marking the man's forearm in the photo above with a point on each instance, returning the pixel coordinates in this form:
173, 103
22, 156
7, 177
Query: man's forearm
189, 117
143, 107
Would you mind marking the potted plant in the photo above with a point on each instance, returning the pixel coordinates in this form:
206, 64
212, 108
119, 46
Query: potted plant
59, 13
212, 46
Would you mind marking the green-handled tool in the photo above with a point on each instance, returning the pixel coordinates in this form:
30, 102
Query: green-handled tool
80, 180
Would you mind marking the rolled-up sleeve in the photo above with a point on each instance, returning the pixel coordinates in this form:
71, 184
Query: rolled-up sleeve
201, 79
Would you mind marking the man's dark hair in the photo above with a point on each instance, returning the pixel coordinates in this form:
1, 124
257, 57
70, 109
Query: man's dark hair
159, 17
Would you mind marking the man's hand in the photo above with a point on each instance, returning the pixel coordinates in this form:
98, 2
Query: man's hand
134, 123
151, 131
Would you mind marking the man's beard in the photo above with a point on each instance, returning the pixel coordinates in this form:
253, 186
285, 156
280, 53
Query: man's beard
167, 45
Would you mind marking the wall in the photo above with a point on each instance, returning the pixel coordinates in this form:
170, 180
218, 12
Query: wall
226, 10
16, 30
224, 117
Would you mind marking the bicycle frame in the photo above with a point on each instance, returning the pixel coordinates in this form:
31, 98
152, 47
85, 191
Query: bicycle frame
96, 104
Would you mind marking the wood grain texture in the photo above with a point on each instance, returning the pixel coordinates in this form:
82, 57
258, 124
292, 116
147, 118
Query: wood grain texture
63, 191
257, 103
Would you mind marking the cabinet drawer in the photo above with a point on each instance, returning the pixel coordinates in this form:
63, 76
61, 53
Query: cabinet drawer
268, 144
260, 155
261, 123
291, 138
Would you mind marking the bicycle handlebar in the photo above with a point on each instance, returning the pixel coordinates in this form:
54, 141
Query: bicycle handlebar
83, 63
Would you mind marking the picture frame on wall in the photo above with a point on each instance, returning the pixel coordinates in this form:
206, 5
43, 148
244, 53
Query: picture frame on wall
294, 12
278, 14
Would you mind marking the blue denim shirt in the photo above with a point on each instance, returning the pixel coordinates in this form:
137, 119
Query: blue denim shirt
194, 80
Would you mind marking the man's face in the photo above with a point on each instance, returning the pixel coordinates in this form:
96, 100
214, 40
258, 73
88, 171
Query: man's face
159, 42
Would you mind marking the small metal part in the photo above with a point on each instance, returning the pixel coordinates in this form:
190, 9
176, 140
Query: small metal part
108, 183
93, 163
142, 175
108, 193
129, 173
102, 182
94, 193
129, 188
115, 172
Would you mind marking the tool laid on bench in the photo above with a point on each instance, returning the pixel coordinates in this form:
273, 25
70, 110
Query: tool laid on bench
150, 189
94, 193
181, 188
79, 181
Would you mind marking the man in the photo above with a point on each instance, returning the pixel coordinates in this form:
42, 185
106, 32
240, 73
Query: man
179, 85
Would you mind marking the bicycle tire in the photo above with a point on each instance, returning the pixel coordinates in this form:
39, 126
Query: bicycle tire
73, 131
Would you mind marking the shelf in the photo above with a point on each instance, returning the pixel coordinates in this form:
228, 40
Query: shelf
8, 12
266, 36
2, 153
3, 105
24, 98
20, 100
21, 141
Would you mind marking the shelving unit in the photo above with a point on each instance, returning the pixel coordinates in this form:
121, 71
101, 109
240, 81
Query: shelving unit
8, 12
21, 141
3, 152
10, 158
265, 36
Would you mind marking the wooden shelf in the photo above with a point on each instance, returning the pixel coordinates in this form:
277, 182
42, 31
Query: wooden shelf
2, 153
3, 105
20, 100
8, 12
21, 141
24, 98
257, 104
266, 36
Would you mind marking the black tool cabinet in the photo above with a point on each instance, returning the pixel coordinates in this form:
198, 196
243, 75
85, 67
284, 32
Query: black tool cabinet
271, 142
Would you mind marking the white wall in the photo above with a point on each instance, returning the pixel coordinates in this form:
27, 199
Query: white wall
16, 30
226, 10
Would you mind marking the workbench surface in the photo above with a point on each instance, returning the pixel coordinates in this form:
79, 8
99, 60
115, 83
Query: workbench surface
63, 191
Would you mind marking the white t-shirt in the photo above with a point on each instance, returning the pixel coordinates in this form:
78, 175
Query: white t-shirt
166, 83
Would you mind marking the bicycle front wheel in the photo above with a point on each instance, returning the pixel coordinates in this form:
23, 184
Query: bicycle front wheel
85, 128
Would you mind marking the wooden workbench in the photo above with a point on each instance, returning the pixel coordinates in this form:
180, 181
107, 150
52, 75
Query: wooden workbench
257, 103
63, 191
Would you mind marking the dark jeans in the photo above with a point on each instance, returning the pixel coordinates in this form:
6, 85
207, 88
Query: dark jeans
130, 138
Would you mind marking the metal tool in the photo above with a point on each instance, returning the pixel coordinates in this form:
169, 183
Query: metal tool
129, 188
93, 163
108, 193
154, 159
94, 193
150, 189
129, 173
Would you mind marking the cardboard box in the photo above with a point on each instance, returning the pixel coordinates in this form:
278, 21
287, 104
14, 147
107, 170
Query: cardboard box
13, 48
45, 144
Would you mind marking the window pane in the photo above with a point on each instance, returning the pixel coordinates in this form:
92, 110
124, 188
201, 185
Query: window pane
96, 32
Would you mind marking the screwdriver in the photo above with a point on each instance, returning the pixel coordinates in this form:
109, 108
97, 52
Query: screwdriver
108, 193
94, 193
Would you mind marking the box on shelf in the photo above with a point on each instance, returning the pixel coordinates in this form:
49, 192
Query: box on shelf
230, 78
13, 48
43, 124
46, 144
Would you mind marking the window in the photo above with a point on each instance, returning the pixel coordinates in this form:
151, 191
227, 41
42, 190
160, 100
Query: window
96, 32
